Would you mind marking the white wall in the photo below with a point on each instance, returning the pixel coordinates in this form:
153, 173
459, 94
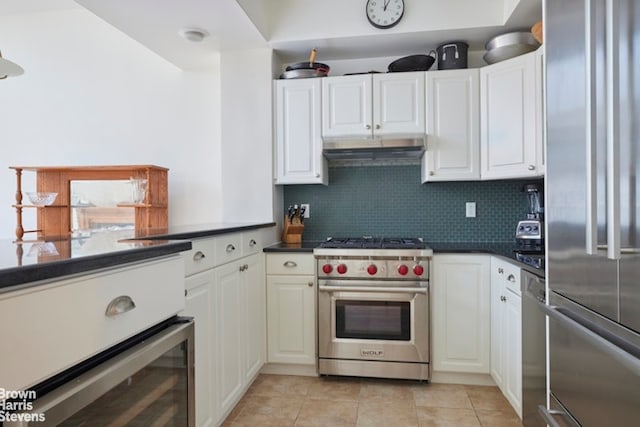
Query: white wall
247, 173
90, 95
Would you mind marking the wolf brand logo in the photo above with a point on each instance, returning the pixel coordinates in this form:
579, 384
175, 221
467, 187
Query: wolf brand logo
371, 353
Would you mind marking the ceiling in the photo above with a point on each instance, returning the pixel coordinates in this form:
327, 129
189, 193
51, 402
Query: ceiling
246, 24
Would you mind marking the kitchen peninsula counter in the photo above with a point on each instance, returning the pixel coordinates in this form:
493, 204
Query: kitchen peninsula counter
26, 262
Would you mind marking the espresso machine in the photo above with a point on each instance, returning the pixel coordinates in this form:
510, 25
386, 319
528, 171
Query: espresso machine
530, 231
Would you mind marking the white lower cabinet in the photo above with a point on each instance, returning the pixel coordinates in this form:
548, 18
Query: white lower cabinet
291, 314
506, 331
228, 304
229, 332
460, 290
199, 304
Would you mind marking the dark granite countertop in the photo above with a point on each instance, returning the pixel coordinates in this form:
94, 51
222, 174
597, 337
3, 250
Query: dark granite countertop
194, 231
33, 261
502, 249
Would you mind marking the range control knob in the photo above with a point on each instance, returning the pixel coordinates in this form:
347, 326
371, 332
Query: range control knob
327, 268
341, 268
418, 270
372, 269
403, 270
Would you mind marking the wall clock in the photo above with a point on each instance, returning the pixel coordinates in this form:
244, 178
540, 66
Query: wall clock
384, 13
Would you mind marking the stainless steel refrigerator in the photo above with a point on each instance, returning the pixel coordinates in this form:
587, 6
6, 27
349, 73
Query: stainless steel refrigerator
592, 50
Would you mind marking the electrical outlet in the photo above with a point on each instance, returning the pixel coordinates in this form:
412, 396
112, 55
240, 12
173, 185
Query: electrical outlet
307, 214
471, 209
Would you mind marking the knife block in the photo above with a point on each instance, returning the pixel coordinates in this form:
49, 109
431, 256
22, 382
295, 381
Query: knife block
293, 228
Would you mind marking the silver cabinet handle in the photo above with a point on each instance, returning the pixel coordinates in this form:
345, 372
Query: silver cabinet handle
289, 264
378, 126
367, 127
310, 284
198, 256
230, 248
500, 270
503, 298
317, 175
252, 243
628, 360
531, 167
120, 305
511, 278
432, 173
246, 266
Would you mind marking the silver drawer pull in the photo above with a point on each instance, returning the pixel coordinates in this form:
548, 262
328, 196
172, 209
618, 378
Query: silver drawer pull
120, 305
198, 256
290, 264
230, 248
511, 278
252, 243
310, 284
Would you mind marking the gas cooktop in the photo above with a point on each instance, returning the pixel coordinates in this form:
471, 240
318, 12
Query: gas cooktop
372, 243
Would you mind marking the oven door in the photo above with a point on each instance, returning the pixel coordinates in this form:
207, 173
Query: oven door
357, 321
145, 381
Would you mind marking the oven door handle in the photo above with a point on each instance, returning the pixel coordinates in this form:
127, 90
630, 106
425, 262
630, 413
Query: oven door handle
372, 289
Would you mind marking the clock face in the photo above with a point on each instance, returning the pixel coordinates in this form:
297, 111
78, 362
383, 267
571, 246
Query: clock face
384, 13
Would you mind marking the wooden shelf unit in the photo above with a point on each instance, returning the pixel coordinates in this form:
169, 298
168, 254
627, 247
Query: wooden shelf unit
55, 220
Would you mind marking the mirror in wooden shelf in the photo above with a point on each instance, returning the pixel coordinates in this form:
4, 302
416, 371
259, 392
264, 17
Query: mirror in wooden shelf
92, 198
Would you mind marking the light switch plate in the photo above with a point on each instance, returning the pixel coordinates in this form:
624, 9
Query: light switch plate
307, 214
471, 209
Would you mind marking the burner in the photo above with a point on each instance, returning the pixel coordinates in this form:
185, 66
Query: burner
372, 243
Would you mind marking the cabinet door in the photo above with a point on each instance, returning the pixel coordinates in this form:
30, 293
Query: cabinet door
498, 328
346, 106
299, 158
398, 104
512, 388
460, 290
229, 327
508, 118
255, 326
199, 303
453, 126
291, 325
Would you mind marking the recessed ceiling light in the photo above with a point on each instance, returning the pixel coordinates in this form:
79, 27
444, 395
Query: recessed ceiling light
193, 34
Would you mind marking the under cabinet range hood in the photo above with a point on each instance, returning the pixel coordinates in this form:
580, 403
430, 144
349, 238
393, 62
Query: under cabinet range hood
400, 148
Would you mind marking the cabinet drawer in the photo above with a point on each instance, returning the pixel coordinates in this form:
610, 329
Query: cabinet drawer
201, 257
252, 242
228, 248
68, 318
512, 278
290, 263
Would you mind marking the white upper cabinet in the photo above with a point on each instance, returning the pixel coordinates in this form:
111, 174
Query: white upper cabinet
299, 158
509, 120
373, 105
453, 126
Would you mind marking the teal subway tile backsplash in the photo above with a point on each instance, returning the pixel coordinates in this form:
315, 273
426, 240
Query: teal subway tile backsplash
391, 201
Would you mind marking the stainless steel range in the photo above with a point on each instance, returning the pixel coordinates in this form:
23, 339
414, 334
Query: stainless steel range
373, 307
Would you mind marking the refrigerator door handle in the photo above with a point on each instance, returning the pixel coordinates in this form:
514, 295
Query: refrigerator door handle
613, 131
547, 415
591, 236
625, 358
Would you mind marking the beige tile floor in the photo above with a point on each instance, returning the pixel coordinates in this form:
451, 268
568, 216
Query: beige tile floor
294, 401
